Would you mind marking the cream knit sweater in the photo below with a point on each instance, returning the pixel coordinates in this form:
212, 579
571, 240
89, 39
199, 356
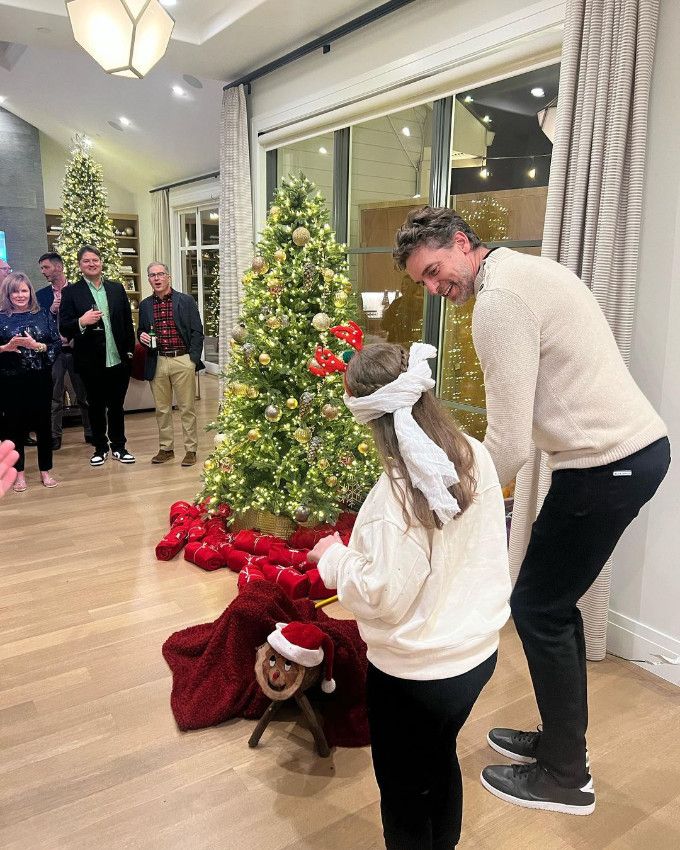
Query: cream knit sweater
552, 369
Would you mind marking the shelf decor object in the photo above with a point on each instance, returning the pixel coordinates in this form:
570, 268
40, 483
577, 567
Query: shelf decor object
126, 37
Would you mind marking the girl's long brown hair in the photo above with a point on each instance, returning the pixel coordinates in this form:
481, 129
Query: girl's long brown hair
9, 285
380, 364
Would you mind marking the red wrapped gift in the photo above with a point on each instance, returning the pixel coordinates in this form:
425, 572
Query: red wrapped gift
256, 543
248, 575
178, 508
317, 589
287, 557
196, 531
306, 538
208, 558
346, 521
171, 544
235, 559
214, 525
224, 511
190, 551
294, 584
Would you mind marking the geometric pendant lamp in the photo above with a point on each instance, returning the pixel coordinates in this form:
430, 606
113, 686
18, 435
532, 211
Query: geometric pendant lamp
126, 37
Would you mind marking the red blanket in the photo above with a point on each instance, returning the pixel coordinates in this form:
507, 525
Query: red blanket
213, 665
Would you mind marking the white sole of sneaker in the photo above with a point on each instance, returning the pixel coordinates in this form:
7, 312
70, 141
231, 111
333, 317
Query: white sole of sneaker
546, 806
516, 758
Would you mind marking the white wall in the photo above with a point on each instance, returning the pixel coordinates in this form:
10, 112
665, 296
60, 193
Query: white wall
54, 159
645, 600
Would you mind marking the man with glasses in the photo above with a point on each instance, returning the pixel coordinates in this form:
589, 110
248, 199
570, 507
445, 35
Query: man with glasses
171, 320
5, 269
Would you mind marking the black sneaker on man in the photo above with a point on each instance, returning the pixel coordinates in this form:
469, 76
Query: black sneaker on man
124, 456
532, 787
98, 458
513, 744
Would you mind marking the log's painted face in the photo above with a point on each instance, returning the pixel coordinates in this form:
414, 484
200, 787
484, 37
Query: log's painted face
278, 677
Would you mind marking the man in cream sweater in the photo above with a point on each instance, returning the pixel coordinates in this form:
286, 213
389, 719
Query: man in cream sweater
553, 375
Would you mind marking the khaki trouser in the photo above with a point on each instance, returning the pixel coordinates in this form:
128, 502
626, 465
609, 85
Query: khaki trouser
175, 374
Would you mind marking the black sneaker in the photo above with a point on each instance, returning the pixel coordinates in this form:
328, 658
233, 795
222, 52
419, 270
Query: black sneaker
515, 745
98, 458
124, 456
531, 786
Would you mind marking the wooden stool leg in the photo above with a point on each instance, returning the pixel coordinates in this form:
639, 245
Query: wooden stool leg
264, 721
319, 737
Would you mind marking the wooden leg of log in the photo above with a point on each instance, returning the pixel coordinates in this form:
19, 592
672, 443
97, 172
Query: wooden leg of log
264, 721
319, 737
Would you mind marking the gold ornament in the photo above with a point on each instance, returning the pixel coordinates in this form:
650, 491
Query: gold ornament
272, 413
340, 298
321, 322
259, 265
264, 359
347, 287
291, 403
323, 463
239, 334
331, 480
273, 322
302, 435
252, 392
328, 275
239, 389
253, 434
274, 212
208, 465
363, 448
279, 255
301, 236
330, 411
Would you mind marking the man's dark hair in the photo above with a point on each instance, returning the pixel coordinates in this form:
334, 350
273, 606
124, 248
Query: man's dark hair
53, 257
88, 249
433, 226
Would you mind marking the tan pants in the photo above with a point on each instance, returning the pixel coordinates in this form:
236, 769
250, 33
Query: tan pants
175, 375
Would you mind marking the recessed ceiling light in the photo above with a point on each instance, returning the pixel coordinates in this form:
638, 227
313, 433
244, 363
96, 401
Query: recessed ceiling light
178, 91
2, 98
486, 119
125, 121
538, 92
467, 98
405, 131
322, 149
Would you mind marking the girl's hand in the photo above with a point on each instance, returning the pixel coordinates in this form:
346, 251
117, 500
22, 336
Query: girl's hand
314, 555
27, 341
12, 344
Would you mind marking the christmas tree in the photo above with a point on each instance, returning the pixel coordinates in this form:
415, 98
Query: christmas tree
211, 303
286, 442
85, 217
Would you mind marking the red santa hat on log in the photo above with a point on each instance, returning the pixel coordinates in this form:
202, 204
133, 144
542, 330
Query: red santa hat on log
305, 644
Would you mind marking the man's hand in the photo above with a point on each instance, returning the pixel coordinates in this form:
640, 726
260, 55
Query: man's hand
57, 301
8, 457
91, 317
314, 555
144, 338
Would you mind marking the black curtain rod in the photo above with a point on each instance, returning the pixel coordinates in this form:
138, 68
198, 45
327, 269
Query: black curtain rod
323, 41
184, 182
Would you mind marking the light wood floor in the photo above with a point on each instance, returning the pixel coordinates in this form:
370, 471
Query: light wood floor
89, 753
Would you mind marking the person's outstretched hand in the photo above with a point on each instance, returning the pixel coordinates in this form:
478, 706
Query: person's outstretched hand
8, 457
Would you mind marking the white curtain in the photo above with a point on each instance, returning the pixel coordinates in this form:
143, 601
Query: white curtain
161, 226
236, 213
593, 215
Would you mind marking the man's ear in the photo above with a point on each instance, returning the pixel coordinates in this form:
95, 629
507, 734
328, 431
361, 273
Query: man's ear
461, 240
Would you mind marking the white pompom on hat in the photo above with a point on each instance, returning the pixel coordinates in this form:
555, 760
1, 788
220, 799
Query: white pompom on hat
305, 644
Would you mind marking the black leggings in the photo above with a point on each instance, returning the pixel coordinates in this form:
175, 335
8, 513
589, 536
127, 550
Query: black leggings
27, 406
583, 516
414, 726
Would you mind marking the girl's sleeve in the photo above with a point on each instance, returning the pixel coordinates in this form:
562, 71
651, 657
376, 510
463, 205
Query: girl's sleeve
52, 339
381, 575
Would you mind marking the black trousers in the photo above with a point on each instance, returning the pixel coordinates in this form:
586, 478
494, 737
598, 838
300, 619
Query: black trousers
62, 366
27, 401
106, 391
414, 726
584, 514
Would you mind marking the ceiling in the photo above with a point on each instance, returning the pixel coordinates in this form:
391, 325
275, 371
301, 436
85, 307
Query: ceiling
49, 81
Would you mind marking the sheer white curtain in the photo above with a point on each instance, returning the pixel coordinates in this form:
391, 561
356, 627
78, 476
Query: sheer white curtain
236, 213
161, 226
593, 215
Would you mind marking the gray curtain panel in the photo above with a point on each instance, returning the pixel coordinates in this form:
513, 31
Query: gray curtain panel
236, 212
161, 226
594, 207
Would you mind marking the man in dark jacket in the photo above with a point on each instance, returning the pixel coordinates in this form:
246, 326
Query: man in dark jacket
95, 313
170, 326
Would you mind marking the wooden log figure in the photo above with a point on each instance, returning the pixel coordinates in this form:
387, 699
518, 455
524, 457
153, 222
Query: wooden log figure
295, 657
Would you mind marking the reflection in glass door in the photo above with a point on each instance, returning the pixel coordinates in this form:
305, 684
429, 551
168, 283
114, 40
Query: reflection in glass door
199, 233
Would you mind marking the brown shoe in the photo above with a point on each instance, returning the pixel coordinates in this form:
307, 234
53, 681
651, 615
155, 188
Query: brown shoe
163, 456
189, 459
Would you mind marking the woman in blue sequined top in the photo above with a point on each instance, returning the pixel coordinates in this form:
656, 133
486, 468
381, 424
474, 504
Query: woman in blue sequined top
29, 344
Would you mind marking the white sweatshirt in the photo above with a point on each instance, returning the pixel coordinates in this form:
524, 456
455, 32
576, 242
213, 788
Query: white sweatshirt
429, 603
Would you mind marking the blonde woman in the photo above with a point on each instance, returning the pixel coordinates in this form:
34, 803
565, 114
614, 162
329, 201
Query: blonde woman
29, 344
426, 576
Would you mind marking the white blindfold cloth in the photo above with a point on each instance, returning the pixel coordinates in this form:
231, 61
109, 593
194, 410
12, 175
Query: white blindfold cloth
429, 469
